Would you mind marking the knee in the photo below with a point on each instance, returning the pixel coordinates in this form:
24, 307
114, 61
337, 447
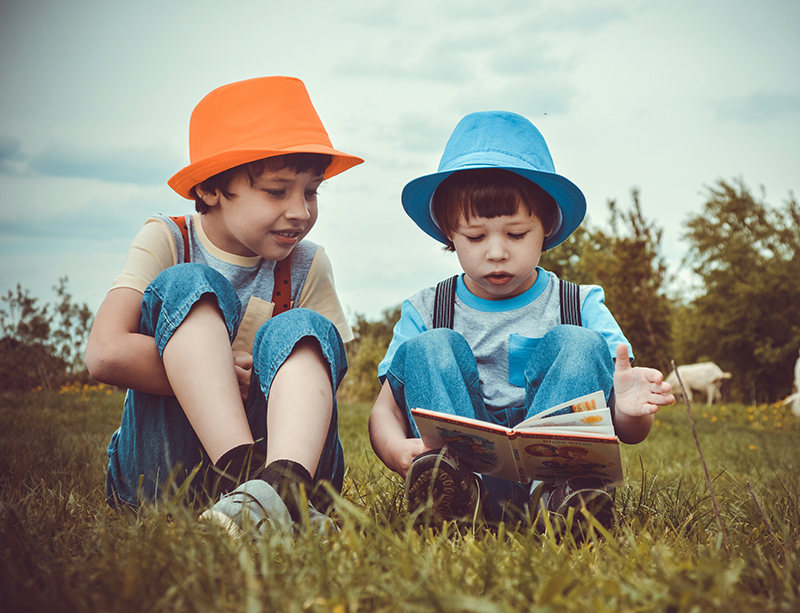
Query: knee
440, 346
304, 318
172, 294
190, 273
437, 341
572, 346
575, 339
296, 324
187, 280
279, 336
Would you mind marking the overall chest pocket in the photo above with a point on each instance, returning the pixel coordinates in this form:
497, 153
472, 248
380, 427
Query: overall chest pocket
520, 350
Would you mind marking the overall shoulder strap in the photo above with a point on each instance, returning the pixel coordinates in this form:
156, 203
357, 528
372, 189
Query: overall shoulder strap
282, 289
181, 223
570, 300
444, 303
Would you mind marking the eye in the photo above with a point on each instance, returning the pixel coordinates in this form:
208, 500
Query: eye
311, 193
474, 239
276, 193
517, 237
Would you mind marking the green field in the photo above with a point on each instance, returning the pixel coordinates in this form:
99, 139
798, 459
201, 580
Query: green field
62, 549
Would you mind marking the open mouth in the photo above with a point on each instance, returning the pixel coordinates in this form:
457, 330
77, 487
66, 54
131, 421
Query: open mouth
286, 237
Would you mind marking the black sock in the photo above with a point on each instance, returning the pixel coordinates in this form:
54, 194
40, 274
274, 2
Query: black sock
289, 479
236, 466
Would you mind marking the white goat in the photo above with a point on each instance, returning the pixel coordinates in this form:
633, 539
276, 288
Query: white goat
703, 377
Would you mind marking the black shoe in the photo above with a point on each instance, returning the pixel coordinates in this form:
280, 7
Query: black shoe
436, 481
578, 493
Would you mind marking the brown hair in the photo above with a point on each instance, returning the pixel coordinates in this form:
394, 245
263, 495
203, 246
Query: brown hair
489, 192
316, 163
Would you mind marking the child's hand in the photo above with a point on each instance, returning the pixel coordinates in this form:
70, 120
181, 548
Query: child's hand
243, 364
639, 391
403, 452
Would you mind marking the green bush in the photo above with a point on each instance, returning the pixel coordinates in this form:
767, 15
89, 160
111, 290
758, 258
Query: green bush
42, 346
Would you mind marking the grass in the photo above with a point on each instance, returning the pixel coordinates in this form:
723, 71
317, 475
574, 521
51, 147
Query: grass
62, 549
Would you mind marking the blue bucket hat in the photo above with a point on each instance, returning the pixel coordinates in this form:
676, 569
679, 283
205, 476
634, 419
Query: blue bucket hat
504, 140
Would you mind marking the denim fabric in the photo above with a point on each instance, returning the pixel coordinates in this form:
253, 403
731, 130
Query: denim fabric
155, 448
436, 370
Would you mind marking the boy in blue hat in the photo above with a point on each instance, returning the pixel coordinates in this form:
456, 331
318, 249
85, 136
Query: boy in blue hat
506, 339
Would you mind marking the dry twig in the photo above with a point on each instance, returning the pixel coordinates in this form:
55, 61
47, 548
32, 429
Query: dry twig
702, 460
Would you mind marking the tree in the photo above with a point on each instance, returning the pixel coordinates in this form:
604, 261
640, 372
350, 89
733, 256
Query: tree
567, 259
748, 317
627, 264
41, 344
364, 354
72, 324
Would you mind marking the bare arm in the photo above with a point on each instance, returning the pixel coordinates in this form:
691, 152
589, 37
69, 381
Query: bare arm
639, 393
389, 432
117, 354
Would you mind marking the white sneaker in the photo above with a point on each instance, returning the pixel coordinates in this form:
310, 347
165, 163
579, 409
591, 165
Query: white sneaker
253, 507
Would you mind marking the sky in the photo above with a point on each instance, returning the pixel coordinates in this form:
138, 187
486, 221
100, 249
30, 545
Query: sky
668, 97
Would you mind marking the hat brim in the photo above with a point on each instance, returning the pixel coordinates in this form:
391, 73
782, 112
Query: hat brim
571, 202
184, 180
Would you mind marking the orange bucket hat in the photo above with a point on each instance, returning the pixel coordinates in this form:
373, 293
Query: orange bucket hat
250, 120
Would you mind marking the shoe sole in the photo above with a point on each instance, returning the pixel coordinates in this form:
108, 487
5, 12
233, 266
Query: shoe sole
216, 518
599, 505
443, 485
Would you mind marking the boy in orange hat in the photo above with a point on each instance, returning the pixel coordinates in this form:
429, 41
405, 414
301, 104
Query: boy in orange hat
225, 326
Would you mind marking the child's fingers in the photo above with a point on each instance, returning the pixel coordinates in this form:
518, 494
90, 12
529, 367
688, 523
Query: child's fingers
647, 409
242, 359
622, 355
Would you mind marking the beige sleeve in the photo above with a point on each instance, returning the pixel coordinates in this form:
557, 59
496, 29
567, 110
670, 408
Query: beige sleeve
151, 252
319, 294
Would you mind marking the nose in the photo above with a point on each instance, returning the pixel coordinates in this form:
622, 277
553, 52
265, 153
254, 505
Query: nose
496, 250
297, 207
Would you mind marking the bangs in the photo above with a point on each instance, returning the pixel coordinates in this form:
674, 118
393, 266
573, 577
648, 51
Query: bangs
489, 193
316, 163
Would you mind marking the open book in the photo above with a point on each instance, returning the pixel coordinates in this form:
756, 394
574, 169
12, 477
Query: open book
573, 438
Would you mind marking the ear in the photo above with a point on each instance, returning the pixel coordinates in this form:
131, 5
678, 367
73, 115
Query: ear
209, 198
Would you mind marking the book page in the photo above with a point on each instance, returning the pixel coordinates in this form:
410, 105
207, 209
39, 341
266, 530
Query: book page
597, 421
589, 402
547, 458
481, 447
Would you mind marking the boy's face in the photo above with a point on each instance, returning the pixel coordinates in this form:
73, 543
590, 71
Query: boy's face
267, 218
499, 255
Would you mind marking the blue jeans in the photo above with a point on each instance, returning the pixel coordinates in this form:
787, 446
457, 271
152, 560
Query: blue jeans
437, 370
155, 449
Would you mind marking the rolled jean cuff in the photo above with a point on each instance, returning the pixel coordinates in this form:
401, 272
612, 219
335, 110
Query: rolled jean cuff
273, 344
276, 339
172, 294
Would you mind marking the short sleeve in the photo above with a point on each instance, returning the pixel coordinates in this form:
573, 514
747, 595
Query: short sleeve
151, 252
319, 294
407, 327
596, 316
